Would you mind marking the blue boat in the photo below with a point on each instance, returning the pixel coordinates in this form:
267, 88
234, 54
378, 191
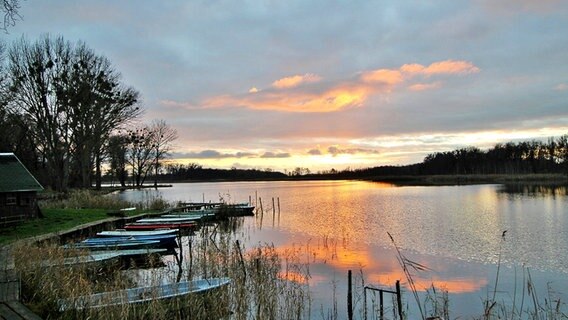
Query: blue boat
142, 294
114, 245
166, 240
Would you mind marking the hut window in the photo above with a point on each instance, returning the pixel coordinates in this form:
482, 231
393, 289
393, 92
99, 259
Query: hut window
11, 200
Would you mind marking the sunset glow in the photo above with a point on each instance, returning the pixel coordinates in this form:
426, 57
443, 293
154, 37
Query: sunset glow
386, 82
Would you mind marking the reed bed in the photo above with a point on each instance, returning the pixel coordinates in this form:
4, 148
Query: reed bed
260, 287
82, 198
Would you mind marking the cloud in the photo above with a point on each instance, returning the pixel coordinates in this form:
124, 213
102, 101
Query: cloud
425, 86
385, 76
508, 7
315, 152
270, 155
294, 81
341, 94
334, 151
561, 87
253, 90
211, 154
441, 67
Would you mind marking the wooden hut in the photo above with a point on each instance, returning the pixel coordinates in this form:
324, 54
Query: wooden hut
18, 191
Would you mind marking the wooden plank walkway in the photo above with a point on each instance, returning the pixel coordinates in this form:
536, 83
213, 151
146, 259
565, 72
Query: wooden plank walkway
14, 310
10, 307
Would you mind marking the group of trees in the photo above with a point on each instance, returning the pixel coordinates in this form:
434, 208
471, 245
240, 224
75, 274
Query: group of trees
509, 158
62, 110
504, 158
193, 171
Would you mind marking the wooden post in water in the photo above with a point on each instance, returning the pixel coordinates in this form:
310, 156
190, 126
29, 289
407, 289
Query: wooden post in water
349, 296
250, 203
381, 305
242, 261
273, 209
261, 210
398, 299
365, 303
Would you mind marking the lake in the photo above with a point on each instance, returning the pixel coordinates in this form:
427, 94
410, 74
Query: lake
458, 232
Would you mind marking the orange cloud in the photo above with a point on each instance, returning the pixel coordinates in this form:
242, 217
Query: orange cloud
441, 67
331, 97
294, 81
451, 67
424, 86
386, 76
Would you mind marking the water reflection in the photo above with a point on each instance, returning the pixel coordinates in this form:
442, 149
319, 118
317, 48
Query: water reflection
335, 226
534, 190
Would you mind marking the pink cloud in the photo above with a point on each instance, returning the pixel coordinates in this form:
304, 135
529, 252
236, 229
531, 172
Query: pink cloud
441, 67
336, 96
294, 81
424, 86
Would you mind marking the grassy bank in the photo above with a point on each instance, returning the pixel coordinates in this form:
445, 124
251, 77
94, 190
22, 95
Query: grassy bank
78, 208
54, 220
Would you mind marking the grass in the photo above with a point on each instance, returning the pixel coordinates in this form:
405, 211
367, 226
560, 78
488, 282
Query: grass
54, 220
79, 207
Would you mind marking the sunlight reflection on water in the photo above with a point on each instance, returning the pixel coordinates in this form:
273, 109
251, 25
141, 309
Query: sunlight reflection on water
454, 230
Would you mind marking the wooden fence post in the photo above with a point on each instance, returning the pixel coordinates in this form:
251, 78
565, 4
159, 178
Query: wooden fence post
349, 296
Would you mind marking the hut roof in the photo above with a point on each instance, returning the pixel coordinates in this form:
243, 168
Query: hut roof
14, 177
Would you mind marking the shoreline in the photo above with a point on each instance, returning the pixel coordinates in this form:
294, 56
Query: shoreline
402, 180
444, 180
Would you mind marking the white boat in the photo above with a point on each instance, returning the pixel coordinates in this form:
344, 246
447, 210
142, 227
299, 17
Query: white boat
100, 257
131, 233
142, 294
165, 220
195, 216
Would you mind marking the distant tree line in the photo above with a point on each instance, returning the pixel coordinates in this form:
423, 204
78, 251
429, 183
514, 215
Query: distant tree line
195, 172
504, 158
65, 112
509, 158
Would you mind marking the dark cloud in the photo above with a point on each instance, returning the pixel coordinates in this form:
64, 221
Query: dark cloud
268, 155
333, 150
314, 152
211, 154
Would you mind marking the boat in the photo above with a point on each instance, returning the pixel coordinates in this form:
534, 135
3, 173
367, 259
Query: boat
96, 257
142, 294
154, 226
193, 216
130, 244
132, 253
166, 220
129, 233
166, 240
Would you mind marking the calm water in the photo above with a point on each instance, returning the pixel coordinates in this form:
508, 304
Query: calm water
456, 231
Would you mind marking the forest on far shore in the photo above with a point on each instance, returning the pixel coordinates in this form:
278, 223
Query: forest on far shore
527, 157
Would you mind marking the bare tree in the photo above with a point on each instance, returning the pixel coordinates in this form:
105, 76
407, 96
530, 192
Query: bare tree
73, 99
140, 154
162, 135
10, 8
117, 152
33, 70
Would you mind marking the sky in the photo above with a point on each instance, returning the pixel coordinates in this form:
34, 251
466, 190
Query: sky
328, 84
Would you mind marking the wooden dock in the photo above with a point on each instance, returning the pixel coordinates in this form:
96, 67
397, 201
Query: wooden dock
10, 306
14, 310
